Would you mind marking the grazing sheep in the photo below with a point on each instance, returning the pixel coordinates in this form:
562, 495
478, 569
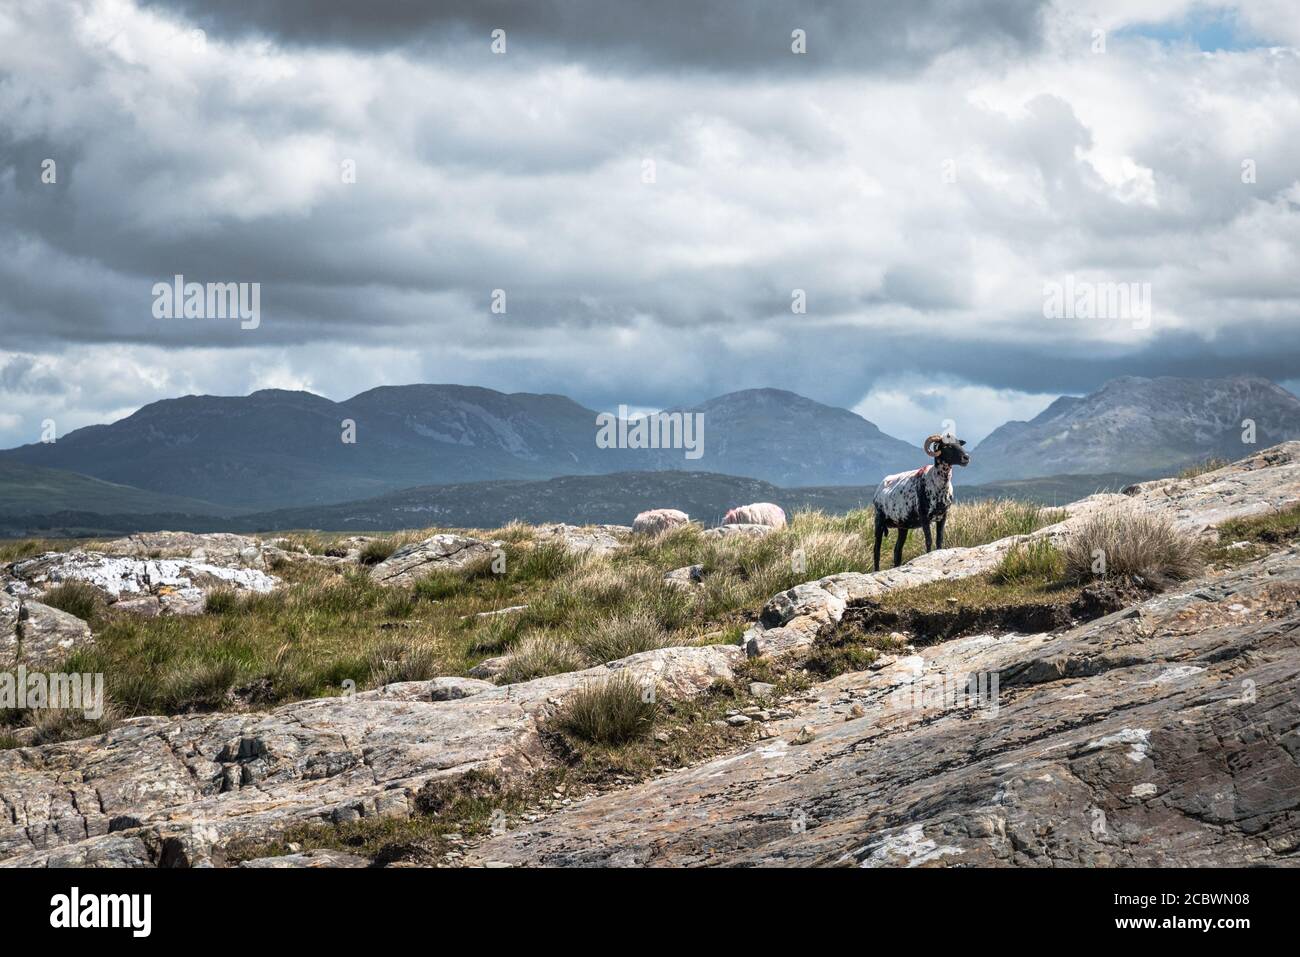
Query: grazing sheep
914, 499
760, 513
659, 520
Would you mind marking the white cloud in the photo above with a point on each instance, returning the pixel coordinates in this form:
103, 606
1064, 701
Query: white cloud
225, 165
912, 407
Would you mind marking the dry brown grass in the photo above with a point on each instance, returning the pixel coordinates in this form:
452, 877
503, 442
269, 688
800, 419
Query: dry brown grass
1123, 542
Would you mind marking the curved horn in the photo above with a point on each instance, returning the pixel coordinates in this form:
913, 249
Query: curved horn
933, 445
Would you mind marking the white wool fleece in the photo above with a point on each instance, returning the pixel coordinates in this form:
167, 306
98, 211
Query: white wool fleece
898, 496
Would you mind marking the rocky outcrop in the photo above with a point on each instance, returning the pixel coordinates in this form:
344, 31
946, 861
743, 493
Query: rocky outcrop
37, 636
47, 635
316, 858
1164, 734
594, 540
656, 521
145, 585
215, 548
175, 791
745, 531
410, 563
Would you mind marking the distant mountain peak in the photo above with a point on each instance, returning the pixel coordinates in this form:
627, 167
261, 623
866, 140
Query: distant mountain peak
1140, 426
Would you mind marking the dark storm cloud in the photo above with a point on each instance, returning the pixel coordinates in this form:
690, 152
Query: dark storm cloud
848, 362
869, 36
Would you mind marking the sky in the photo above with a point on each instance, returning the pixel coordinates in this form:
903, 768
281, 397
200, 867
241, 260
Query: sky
627, 204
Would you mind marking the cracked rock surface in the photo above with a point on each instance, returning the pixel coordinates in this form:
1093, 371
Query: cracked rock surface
412, 562
1166, 734
173, 791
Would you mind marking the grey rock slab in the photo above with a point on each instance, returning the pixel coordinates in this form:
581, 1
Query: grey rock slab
1165, 738
738, 530
216, 548
316, 858
124, 577
45, 636
412, 562
596, 540
177, 790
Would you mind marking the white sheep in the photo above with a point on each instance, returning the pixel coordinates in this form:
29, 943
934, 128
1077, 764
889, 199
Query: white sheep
658, 520
760, 513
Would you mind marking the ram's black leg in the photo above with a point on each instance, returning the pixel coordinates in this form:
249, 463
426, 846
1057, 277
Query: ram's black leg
898, 547
938, 531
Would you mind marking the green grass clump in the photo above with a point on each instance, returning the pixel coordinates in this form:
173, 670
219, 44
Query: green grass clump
1036, 560
377, 550
1273, 528
76, 598
221, 601
622, 635
610, 712
540, 654
403, 660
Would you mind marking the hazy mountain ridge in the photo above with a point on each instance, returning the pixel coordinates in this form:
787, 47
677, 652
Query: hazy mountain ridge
276, 448
1140, 426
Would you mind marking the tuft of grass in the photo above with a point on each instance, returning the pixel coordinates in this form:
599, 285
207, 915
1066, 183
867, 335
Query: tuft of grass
76, 598
198, 684
543, 562
16, 549
1132, 544
54, 725
622, 635
611, 712
406, 660
1036, 560
1273, 528
978, 523
377, 550
438, 585
221, 601
539, 654
1200, 468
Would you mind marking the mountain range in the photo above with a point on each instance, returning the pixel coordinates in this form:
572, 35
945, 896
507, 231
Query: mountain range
459, 455
278, 449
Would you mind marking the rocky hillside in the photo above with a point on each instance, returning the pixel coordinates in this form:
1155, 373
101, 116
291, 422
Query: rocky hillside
1160, 734
1140, 426
278, 449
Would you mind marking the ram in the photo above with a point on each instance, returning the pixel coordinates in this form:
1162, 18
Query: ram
915, 499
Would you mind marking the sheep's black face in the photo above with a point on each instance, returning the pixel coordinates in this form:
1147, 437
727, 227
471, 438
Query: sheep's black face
952, 453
